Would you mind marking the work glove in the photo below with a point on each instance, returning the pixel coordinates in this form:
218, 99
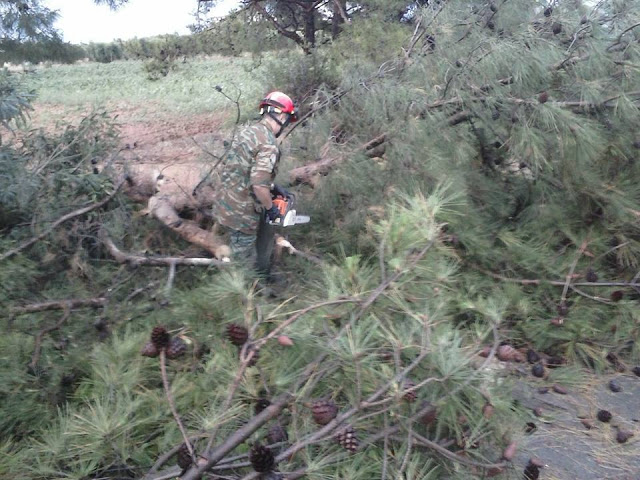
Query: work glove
273, 213
277, 190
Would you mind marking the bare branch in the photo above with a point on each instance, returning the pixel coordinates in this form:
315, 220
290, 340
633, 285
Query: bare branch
123, 257
71, 304
172, 403
572, 269
452, 456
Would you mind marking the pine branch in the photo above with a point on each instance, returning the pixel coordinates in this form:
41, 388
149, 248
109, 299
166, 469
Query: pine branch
452, 456
245, 360
172, 404
239, 436
61, 220
592, 297
295, 317
38, 342
559, 283
567, 283
619, 39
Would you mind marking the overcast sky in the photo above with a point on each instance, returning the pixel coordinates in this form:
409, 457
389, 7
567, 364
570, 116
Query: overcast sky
81, 21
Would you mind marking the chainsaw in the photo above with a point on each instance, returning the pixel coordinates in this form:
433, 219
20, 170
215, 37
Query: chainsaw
288, 215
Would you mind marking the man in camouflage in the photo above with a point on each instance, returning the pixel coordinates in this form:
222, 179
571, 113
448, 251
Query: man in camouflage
244, 182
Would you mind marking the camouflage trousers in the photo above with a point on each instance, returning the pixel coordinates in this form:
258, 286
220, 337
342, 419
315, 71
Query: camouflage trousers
255, 249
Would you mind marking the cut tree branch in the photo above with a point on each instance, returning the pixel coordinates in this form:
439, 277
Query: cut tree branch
284, 243
122, 257
71, 304
61, 220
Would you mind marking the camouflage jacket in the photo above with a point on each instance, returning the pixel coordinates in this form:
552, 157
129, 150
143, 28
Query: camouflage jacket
251, 160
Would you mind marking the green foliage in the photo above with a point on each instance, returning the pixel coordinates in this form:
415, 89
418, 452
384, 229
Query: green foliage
157, 68
26, 20
53, 50
522, 187
15, 100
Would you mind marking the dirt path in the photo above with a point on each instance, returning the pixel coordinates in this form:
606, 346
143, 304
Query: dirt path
570, 450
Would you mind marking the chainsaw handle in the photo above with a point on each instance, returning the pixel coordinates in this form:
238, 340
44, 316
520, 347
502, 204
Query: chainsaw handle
279, 191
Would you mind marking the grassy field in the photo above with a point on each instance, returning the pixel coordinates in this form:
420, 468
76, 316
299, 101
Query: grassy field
189, 88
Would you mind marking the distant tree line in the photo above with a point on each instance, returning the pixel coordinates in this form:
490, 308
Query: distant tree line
40, 51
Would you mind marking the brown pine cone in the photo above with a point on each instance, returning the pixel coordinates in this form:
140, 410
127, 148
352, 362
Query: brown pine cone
184, 457
324, 411
348, 439
149, 350
176, 348
237, 334
261, 458
160, 337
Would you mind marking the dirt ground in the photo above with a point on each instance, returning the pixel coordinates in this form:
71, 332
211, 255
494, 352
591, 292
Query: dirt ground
148, 134
570, 449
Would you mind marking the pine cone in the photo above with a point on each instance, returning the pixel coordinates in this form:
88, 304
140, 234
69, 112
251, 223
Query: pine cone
412, 395
604, 416
347, 438
184, 457
538, 370
176, 348
532, 356
261, 458
616, 295
160, 337
277, 433
531, 471
149, 350
623, 435
237, 334
324, 411
591, 276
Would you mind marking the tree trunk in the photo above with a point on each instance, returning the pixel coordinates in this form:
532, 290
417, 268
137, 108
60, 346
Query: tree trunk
339, 11
310, 27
